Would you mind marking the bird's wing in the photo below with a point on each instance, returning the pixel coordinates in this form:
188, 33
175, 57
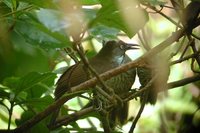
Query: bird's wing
73, 76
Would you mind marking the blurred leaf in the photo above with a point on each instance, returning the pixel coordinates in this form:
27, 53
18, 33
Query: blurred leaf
181, 106
154, 2
11, 82
33, 78
111, 16
89, 14
41, 3
52, 19
3, 94
103, 32
17, 85
89, 2
38, 104
36, 33
36, 91
4, 8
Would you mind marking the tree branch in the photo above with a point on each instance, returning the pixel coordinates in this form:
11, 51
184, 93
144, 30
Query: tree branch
77, 115
72, 117
183, 81
105, 76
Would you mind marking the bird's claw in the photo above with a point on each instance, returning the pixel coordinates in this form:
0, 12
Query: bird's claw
99, 106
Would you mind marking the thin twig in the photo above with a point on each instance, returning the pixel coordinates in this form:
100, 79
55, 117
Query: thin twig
183, 82
94, 73
192, 44
14, 12
142, 104
71, 53
179, 47
185, 58
72, 117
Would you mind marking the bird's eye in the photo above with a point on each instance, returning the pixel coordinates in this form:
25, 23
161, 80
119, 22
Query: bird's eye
122, 47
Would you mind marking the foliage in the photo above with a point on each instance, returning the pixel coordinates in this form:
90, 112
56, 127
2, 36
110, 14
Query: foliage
34, 34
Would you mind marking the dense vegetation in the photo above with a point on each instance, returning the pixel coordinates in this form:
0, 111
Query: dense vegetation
39, 38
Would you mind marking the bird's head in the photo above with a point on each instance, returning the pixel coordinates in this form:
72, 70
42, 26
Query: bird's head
116, 48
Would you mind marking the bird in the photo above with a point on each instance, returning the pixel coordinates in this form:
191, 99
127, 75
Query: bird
110, 56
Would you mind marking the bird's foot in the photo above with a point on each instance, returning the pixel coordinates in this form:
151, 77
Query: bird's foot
98, 106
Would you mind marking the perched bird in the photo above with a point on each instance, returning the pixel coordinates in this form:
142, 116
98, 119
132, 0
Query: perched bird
110, 56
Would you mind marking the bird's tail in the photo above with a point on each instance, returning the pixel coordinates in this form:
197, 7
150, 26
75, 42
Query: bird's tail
118, 116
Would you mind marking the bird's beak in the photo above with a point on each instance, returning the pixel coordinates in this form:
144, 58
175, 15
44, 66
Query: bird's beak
131, 46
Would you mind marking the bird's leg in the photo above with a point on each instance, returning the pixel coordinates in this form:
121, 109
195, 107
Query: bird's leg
100, 104
117, 100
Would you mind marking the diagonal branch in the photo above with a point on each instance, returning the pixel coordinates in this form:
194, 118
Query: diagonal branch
105, 76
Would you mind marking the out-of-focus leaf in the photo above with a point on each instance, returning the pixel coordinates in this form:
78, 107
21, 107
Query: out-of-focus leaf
103, 32
32, 79
111, 16
36, 91
3, 93
39, 104
4, 8
52, 19
17, 85
89, 2
36, 33
89, 14
11, 82
41, 3
154, 2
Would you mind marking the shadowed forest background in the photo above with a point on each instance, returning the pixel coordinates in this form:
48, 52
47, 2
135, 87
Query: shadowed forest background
39, 41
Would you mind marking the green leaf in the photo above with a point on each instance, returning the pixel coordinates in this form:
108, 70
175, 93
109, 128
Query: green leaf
36, 33
52, 19
18, 85
12, 83
3, 93
111, 16
103, 32
38, 104
36, 91
32, 79
89, 2
41, 3
4, 7
154, 2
